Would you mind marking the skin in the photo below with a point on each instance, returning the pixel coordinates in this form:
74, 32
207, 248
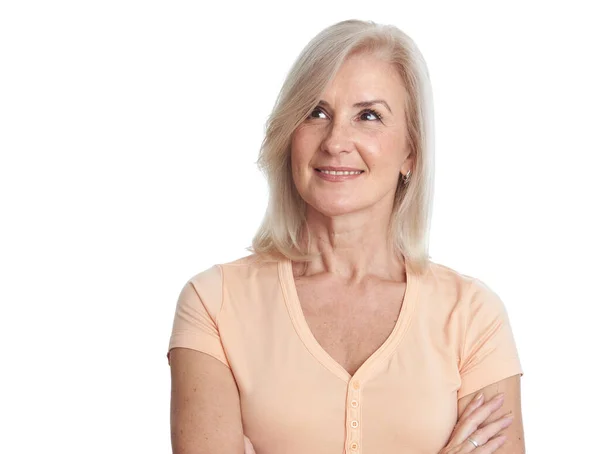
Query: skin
511, 404
349, 220
205, 405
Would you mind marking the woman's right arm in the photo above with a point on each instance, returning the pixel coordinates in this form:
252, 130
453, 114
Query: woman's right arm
205, 405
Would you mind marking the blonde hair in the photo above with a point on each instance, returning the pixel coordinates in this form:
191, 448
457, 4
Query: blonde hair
282, 228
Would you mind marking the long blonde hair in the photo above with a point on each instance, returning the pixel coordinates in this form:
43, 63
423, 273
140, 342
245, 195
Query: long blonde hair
282, 228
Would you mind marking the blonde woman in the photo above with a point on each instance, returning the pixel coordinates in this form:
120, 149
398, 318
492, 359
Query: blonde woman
338, 334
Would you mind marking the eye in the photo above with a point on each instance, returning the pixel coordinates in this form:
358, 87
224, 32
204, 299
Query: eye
373, 114
315, 114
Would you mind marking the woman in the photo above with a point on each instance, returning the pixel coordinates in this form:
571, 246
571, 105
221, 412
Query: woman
338, 334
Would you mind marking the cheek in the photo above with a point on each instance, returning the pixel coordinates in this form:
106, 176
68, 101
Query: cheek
302, 148
377, 154
388, 153
298, 158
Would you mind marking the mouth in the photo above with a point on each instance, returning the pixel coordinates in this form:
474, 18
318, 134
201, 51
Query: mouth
338, 174
339, 171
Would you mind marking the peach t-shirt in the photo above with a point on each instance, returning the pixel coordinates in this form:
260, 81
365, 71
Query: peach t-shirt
452, 338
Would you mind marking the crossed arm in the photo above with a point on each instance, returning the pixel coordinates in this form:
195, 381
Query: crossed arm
511, 387
206, 414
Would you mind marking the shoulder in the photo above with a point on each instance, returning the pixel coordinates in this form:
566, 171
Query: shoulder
448, 284
243, 271
251, 268
249, 261
446, 281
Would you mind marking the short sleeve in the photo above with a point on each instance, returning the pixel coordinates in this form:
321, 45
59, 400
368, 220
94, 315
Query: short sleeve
195, 323
489, 352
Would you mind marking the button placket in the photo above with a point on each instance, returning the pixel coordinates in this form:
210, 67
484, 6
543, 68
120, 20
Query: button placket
353, 416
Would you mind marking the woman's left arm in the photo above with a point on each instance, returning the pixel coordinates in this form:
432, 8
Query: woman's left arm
511, 387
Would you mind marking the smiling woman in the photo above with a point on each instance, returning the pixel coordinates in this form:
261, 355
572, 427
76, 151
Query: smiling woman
338, 333
343, 134
303, 100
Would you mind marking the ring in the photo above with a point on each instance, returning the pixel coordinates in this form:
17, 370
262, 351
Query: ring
473, 442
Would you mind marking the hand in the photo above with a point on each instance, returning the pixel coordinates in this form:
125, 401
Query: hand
469, 426
248, 448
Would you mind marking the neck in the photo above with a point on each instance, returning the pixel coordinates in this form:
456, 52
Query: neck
353, 246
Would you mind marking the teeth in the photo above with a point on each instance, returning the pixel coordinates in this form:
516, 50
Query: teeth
341, 172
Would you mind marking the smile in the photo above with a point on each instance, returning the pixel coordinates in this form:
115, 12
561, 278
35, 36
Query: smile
338, 176
341, 172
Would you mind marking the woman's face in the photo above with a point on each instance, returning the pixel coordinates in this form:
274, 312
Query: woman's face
358, 126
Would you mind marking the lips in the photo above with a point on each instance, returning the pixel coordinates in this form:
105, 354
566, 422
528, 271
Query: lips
338, 174
339, 169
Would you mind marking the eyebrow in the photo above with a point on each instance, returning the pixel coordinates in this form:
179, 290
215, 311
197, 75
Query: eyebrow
362, 103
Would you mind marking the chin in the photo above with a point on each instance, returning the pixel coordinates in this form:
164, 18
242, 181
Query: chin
336, 208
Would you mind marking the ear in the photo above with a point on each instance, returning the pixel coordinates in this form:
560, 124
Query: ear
407, 165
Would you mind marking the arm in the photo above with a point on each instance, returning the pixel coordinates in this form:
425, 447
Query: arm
205, 405
511, 387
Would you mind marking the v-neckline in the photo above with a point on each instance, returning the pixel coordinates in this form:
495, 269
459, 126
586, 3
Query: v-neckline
290, 293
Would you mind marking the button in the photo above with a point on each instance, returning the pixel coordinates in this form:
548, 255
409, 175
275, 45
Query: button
354, 404
356, 384
354, 424
354, 446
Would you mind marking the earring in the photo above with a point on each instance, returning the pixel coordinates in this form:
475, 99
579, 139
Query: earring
406, 177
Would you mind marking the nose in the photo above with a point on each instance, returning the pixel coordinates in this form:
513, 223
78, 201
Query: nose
338, 139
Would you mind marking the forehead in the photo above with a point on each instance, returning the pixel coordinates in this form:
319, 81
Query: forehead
365, 76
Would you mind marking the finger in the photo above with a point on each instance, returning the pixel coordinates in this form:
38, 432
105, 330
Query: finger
248, 448
491, 446
465, 427
483, 434
473, 405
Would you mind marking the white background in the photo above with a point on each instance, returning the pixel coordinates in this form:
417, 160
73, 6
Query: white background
129, 132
